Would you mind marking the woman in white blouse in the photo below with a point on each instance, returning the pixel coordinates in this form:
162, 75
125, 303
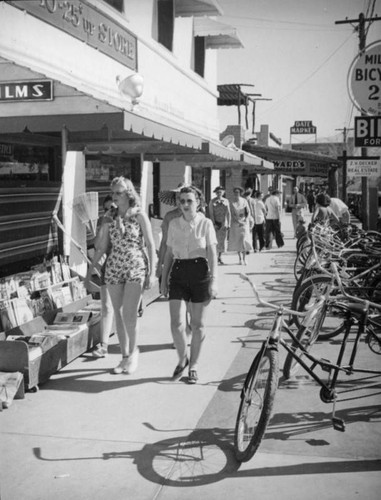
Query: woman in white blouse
189, 277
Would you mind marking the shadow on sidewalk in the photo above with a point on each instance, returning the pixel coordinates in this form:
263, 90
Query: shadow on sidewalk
206, 456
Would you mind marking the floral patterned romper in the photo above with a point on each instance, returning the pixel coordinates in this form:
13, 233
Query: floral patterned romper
127, 261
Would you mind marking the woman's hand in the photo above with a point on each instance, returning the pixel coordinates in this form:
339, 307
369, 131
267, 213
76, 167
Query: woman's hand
213, 288
164, 289
149, 281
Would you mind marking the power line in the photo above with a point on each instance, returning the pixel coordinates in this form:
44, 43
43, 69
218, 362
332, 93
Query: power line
309, 76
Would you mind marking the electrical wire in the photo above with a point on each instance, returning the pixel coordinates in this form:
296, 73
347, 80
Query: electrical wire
279, 101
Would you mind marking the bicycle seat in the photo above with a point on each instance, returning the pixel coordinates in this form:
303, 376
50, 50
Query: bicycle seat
356, 308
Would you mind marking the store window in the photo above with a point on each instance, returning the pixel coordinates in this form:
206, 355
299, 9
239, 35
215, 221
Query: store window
101, 169
117, 4
165, 23
32, 163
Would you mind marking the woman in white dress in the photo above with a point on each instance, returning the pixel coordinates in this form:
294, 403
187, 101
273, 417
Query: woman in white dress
239, 236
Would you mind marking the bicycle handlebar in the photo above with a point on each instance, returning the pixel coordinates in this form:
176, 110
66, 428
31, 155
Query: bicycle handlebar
268, 304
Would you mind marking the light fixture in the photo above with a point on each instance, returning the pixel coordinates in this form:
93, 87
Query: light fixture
132, 86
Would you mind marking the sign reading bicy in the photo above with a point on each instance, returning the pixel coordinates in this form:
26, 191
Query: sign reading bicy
303, 127
85, 22
364, 80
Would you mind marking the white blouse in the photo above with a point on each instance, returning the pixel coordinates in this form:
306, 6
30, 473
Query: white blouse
189, 240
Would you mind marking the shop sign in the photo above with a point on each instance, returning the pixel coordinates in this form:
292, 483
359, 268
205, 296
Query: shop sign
303, 127
32, 90
290, 166
6, 150
364, 167
301, 167
367, 131
364, 80
88, 24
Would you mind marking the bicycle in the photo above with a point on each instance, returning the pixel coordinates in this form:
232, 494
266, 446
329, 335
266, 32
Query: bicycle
259, 389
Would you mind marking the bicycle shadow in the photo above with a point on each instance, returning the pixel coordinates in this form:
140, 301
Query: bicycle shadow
206, 456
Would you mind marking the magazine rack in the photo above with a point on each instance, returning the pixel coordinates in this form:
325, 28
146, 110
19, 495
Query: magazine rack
38, 362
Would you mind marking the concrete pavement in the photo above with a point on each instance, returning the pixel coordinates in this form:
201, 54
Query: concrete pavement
88, 434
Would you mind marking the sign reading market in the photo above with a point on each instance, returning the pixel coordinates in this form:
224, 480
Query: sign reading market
303, 127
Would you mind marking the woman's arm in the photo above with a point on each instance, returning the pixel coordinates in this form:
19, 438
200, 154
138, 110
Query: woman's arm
102, 245
150, 244
228, 215
211, 253
211, 212
168, 259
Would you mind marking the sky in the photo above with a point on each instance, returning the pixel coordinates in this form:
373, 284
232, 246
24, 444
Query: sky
295, 55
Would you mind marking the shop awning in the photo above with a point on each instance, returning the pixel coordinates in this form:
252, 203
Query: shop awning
187, 8
291, 162
217, 35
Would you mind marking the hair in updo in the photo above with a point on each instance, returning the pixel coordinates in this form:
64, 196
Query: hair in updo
323, 199
126, 184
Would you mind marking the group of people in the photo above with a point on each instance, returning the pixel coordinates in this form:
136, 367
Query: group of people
187, 270
186, 263
245, 223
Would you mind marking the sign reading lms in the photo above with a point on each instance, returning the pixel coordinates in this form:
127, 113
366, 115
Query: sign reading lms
303, 127
26, 91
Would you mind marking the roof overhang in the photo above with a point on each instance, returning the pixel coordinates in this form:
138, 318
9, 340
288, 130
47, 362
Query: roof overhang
290, 162
188, 8
217, 35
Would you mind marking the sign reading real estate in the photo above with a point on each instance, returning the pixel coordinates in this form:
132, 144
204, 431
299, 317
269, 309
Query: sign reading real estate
303, 127
364, 80
85, 22
368, 131
31, 90
364, 167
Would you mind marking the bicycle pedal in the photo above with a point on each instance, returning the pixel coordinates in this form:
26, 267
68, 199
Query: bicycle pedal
338, 424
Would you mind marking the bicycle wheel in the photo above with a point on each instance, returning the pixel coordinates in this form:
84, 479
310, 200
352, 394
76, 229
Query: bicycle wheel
306, 336
311, 289
300, 261
257, 400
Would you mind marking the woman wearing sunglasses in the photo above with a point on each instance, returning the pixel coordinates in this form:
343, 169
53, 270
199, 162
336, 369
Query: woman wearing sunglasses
189, 277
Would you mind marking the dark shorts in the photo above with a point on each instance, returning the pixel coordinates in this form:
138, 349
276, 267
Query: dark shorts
190, 280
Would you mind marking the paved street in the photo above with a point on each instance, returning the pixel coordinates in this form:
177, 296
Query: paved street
87, 434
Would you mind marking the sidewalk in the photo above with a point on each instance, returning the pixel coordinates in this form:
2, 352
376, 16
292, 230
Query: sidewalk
88, 434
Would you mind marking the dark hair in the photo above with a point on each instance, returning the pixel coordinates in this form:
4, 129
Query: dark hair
248, 192
275, 191
323, 199
258, 194
107, 199
238, 188
218, 188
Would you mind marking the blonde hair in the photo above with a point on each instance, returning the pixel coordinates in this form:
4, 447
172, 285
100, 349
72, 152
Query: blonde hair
134, 198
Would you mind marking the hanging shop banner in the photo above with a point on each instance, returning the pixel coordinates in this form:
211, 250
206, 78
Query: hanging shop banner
303, 127
364, 80
30, 90
88, 24
301, 167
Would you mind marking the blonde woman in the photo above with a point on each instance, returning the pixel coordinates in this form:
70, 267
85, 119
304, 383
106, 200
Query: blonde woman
129, 268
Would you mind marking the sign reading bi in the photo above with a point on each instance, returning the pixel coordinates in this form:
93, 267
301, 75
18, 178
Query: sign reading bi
364, 80
367, 131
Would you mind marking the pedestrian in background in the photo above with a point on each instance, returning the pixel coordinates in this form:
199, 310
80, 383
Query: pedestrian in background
219, 213
259, 221
311, 199
107, 312
298, 204
323, 212
189, 277
130, 266
273, 226
240, 235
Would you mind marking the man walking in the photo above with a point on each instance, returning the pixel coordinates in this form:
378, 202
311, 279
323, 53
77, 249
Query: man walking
273, 208
298, 204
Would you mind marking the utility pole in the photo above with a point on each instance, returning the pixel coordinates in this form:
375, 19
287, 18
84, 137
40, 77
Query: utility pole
344, 158
364, 180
